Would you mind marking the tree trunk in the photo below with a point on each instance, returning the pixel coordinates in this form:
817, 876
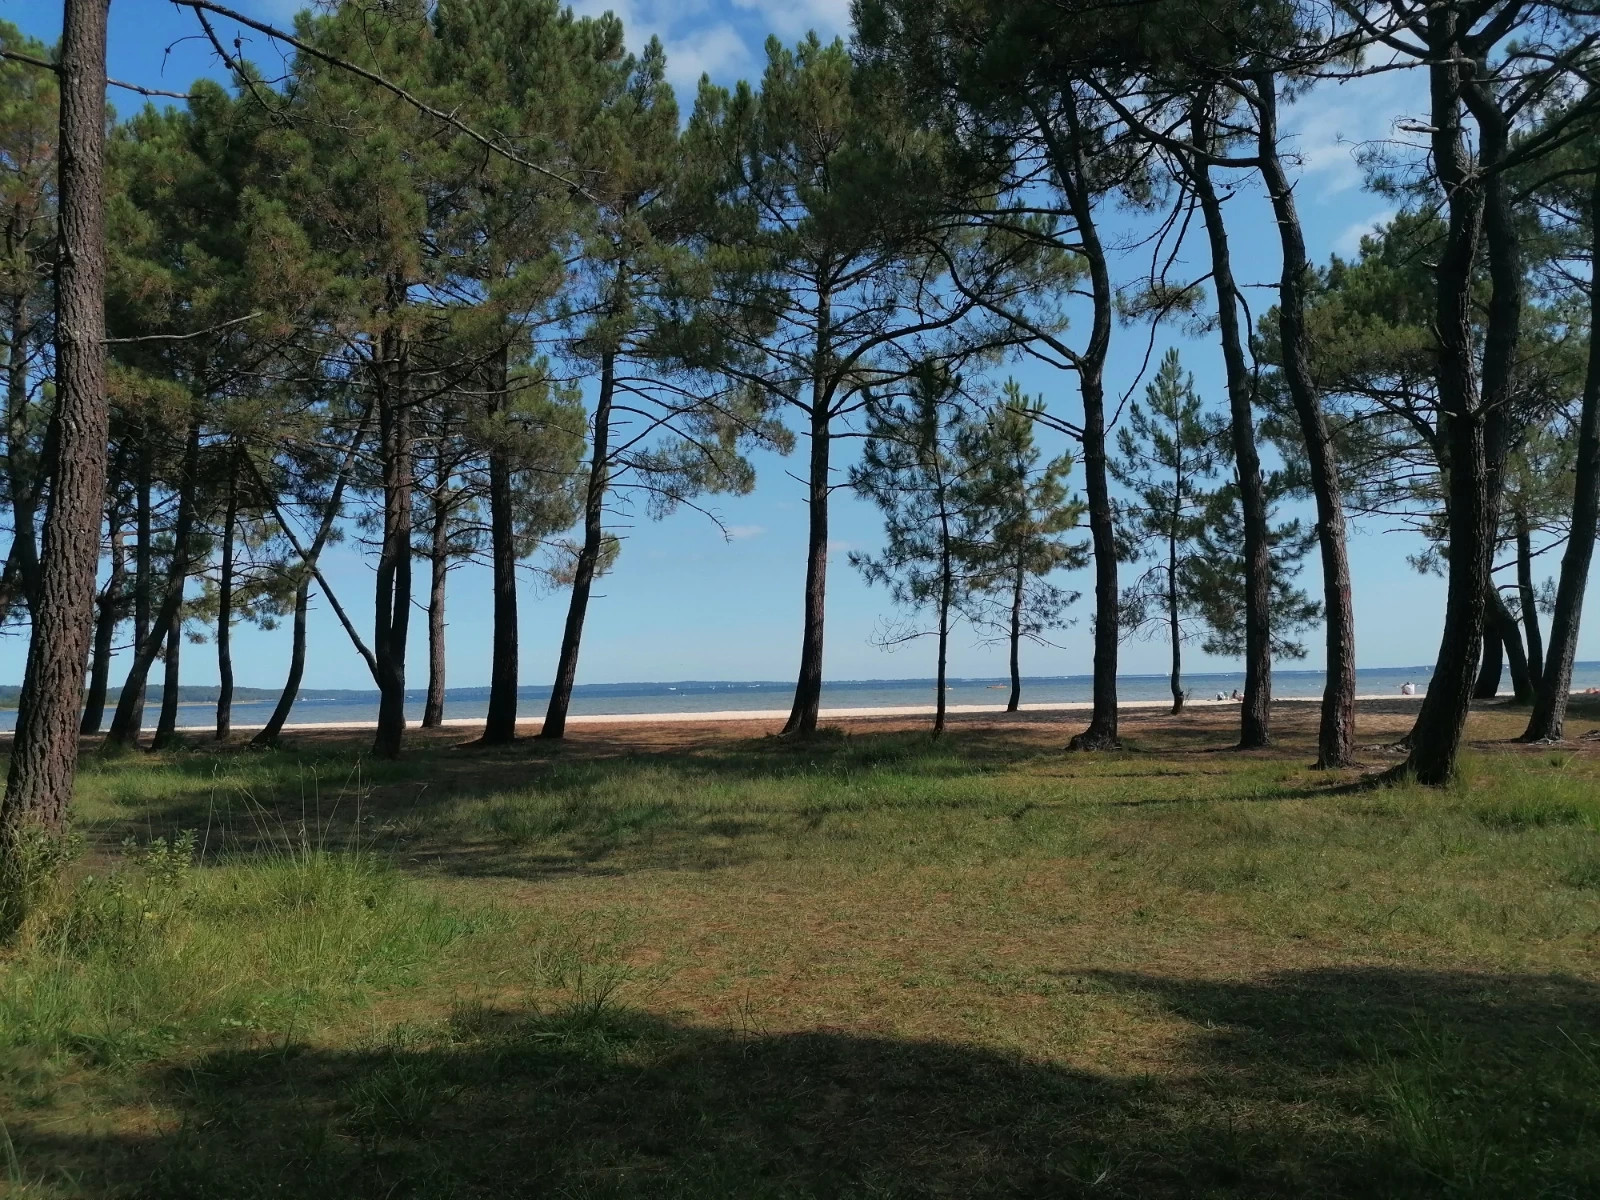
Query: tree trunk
1174, 625
1499, 616
1555, 683
808, 688
1070, 161
439, 564
44, 753
1016, 637
125, 722
105, 632
946, 596
392, 610
1527, 600
500, 727
1473, 426
555, 718
144, 572
269, 733
1491, 664
167, 723
1336, 746
225, 613
1255, 717
24, 472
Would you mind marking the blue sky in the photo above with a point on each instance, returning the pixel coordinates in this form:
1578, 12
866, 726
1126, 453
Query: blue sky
686, 603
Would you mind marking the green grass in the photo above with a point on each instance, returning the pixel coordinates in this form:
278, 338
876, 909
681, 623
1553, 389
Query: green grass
873, 965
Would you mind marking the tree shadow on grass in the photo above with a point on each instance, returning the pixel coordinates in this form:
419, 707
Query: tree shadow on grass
1320, 1083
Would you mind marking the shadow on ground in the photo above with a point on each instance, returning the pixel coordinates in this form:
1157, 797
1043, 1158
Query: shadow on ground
1319, 1083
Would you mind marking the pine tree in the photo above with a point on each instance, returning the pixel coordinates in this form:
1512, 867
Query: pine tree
1168, 456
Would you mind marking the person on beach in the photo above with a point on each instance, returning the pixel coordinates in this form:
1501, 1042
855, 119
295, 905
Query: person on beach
1220, 696
1237, 694
1408, 688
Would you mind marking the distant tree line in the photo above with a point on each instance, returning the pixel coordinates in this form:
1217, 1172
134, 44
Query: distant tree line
464, 284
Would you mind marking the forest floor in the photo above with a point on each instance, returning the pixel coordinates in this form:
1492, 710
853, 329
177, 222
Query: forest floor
698, 960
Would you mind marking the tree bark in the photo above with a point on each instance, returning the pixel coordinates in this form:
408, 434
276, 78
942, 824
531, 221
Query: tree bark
1174, 624
1548, 721
500, 726
1499, 616
44, 753
1527, 600
1336, 746
946, 596
1017, 586
269, 733
392, 610
808, 688
225, 612
1491, 665
167, 723
439, 565
125, 722
1255, 718
144, 575
555, 719
1474, 428
24, 472
105, 632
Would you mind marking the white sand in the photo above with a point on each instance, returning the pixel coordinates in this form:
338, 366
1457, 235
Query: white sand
781, 714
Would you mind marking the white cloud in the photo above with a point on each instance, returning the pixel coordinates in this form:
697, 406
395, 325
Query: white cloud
740, 533
1348, 243
693, 46
793, 19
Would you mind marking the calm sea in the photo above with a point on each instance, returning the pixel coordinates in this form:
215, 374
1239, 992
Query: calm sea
717, 696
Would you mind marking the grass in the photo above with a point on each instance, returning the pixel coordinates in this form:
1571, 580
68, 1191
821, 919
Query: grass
691, 962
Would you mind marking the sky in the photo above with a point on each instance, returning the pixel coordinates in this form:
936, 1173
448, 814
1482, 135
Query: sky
690, 600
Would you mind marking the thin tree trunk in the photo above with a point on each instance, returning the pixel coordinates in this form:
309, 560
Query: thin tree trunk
167, 723
105, 632
1473, 424
1070, 161
555, 718
500, 726
44, 753
439, 564
1256, 713
1491, 665
1016, 637
1174, 625
1499, 616
1527, 600
225, 613
124, 729
1548, 721
808, 688
946, 596
23, 470
1336, 746
269, 733
144, 574
392, 610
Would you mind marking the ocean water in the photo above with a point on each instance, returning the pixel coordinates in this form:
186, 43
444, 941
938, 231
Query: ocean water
690, 696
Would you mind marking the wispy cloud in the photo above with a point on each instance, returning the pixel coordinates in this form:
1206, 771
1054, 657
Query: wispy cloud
793, 19
1348, 243
741, 533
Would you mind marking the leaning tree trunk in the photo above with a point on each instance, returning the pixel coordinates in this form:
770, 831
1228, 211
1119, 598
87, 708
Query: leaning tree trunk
1491, 665
1498, 616
1527, 601
1336, 744
1255, 719
125, 721
808, 688
1474, 424
555, 717
44, 753
269, 733
392, 610
1017, 586
105, 632
1070, 161
500, 726
167, 723
1555, 683
439, 565
225, 613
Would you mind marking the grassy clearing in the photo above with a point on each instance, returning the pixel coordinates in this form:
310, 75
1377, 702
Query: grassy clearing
692, 962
